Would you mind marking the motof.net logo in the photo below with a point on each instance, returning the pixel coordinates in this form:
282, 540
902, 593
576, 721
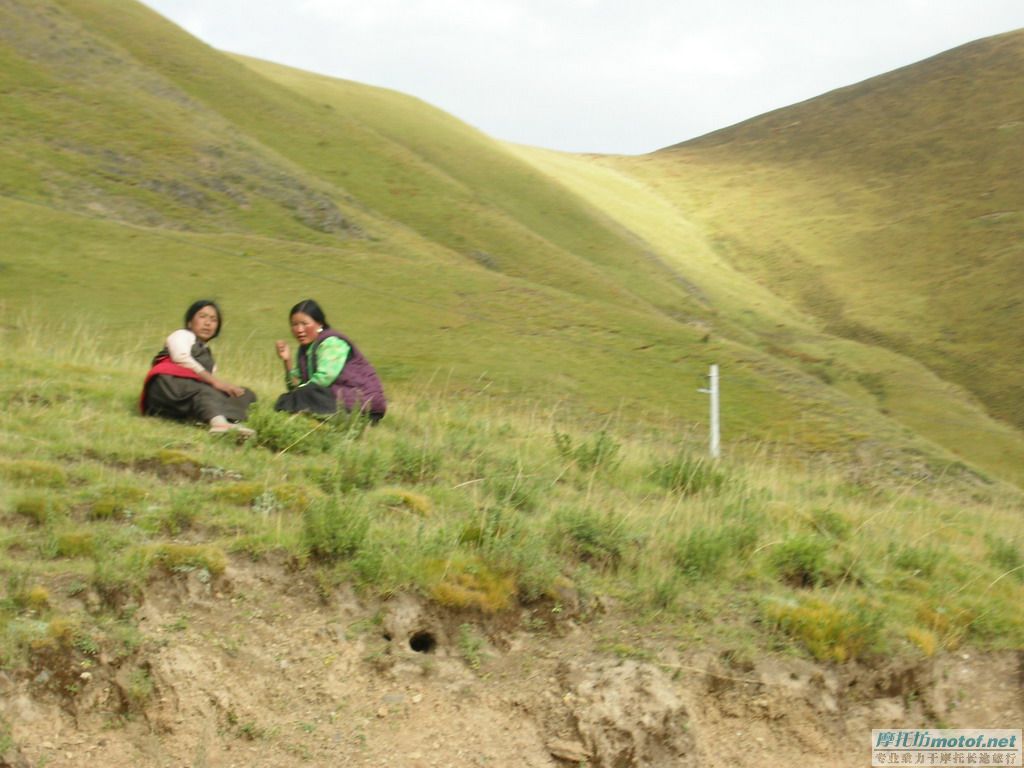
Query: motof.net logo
968, 746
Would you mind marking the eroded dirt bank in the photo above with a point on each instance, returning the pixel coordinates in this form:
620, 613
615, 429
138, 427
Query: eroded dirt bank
254, 669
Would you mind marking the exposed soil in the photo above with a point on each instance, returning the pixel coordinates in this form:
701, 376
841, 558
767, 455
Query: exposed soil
256, 669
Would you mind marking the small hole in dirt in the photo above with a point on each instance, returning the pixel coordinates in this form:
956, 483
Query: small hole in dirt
423, 642
387, 636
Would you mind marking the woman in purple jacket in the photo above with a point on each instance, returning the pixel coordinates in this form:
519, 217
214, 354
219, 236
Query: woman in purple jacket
329, 369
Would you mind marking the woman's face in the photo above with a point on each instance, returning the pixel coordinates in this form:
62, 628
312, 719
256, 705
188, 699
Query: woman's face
204, 323
304, 328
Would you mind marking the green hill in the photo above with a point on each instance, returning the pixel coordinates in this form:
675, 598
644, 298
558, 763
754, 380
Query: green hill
143, 168
892, 213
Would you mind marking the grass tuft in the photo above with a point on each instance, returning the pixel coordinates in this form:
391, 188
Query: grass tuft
39, 474
705, 551
182, 558
469, 583
802, 561
828, 631
333, 531
686, 475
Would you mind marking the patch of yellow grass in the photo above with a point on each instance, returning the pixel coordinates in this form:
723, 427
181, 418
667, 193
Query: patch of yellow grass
471, 583
829, 632
37, 597
401, 498
950, 626
924, 639
288, 497
76, 544
177, 557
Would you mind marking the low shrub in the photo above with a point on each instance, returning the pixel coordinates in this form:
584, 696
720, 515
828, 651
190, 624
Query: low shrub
802, 561
706, 551
598, 539
332, 531
300, 433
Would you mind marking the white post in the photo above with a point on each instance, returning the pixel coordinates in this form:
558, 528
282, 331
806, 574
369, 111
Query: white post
715, 441
715, 437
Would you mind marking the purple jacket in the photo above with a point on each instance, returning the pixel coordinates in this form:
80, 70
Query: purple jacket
358, 385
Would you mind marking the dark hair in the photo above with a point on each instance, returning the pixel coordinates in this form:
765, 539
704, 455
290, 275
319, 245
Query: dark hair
196, 306
311, 308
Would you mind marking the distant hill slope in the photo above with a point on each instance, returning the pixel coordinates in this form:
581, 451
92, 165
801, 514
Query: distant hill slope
892, 210
141, 169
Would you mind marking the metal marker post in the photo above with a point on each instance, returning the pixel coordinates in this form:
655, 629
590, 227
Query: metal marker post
715, 441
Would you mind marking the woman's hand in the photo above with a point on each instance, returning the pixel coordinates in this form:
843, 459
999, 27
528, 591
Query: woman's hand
227, 388
284, 352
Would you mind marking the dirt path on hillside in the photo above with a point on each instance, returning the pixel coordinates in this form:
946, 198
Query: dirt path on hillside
253, 670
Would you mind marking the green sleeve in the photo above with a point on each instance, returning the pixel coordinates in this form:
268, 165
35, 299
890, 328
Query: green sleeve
331, 355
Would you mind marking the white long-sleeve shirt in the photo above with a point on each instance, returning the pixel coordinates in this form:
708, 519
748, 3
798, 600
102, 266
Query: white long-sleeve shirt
179, 347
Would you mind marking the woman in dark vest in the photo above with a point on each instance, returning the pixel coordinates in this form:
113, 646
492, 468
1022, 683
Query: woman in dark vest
329, 369
182, 382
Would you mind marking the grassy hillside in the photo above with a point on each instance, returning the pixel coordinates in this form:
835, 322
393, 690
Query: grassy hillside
143, 169
481, 508
891, 211
542, 324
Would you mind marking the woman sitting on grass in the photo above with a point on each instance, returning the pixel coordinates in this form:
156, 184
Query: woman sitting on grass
181, 383
330, 369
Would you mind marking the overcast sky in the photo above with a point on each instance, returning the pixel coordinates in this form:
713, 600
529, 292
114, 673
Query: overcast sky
611, 76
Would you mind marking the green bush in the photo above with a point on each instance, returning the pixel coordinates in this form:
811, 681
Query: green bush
333, 532
177, 518
598, 539
706, 551
303, 434
802, 561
